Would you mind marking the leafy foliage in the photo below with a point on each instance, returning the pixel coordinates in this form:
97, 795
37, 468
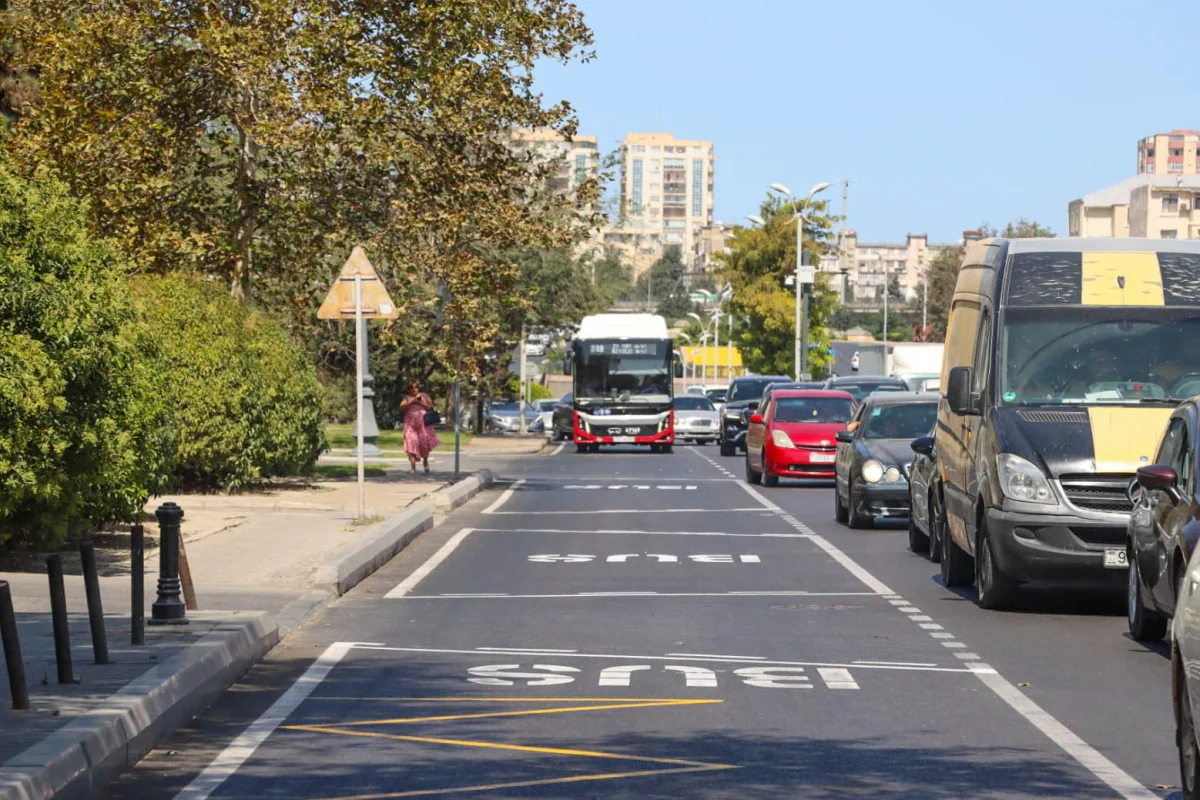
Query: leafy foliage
84, 427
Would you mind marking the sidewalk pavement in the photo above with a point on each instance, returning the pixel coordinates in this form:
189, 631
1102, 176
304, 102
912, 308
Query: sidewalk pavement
283, 552
482, 445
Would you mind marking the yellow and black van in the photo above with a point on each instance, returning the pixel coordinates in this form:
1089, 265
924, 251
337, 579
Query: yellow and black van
1064, 358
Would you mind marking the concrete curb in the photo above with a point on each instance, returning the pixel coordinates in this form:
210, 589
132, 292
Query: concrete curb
346, 568
89, 752
451, 497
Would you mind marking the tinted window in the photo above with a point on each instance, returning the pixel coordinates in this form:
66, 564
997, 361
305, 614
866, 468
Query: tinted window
749, 390
812, 409
693, 403
860, 389
716, 395
900, 421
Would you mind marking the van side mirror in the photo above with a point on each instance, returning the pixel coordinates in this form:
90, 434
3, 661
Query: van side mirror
923, 445
845, 437
958, 392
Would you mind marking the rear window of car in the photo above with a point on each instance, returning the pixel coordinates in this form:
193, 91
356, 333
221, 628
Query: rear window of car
716, 395
861, 389
749, 390
900, 420
693, 403
813, 409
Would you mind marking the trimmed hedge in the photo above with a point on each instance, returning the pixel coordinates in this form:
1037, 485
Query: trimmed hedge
247, 402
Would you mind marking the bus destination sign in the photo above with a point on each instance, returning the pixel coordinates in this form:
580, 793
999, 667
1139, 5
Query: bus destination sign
623, 348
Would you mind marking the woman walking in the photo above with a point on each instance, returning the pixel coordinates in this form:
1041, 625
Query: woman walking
419, 438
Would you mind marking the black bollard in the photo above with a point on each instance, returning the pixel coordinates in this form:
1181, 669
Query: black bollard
58, 615
12, 651
137, 599
168, 609
91, 588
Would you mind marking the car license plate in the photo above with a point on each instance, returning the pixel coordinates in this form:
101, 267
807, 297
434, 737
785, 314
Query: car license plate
822, 458
623, 440
1115, 558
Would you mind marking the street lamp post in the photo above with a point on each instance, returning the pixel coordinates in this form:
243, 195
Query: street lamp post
800, 356
924, 298
886, 291
704, 356
690, 361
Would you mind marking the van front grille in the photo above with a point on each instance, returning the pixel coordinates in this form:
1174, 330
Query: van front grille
1101, 492
1054, 416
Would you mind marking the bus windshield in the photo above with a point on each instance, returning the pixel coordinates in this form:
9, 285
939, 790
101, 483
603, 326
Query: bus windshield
1098, 355
637, 372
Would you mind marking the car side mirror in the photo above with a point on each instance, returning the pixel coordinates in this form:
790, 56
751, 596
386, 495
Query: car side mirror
756, 419
923, 445
845, 437
678, 368
958, 392
1160, 478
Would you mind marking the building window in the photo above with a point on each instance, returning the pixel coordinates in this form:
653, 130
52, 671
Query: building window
580, 168
638, 148
675, 163
697, 187
1176, 151
655, 149
1168, 234
1149, 152
637, 186
1170, 202
1175, 166
1150, 167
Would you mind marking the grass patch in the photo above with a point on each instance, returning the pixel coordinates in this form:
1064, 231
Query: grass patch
389, 441
346, 471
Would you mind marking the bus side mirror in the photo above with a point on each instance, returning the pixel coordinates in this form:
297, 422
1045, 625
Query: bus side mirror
566, 364
958, 392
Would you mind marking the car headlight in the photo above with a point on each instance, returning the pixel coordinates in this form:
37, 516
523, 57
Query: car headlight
872, 471
781, 439
892, 475
1021, 480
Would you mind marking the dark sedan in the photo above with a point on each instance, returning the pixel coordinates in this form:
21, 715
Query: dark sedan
860, 387
924, 501
1162, 528
874, 453
563, 418
742, 399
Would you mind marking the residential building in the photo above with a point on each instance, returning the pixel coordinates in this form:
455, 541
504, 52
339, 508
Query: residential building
1149, 204
710, 240
578, 158
1174, 153
869, 262
666, 197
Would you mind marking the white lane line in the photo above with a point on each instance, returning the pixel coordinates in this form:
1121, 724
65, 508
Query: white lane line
717, 659
624, 511
757, 495
930, 626
594, 595
619, 532
710, 655
406, 585
899, 663
558, 449
617, 594
503, 498
967, 656
229, 760
837, 678
908, 610
953, 645
942, 635
523, 650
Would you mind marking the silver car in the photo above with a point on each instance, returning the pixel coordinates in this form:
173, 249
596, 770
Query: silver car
696, 419
506, 418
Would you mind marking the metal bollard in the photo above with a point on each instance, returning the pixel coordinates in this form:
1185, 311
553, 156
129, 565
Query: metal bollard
168, 609
58, 615
91, 588
137, 599
12, 651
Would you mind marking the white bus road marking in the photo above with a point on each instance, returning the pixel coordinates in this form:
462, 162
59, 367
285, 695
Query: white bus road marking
419, 574
622, 558
503, 498
503, 596
837, 678
637, 487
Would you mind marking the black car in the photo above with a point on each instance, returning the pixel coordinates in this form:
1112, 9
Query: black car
743, 397
563, 418
1162, 532
873, 456
860, 387
924, 502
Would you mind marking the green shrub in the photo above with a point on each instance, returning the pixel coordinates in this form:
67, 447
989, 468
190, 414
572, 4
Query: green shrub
247, 401
85, 434
537, 392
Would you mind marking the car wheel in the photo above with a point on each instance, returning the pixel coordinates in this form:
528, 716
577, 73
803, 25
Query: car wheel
751, 475
727, 449
1185, 738
997, 591
858, 520
935, 528
701, 442
958, 568
918, 542
769, 479
840, 512
1145, 625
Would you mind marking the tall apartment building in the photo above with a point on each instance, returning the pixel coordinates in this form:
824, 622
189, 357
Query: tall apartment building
1174, 153
578, 158
666, 197
867, 264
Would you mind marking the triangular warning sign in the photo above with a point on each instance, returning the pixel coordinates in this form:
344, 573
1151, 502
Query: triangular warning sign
376, 303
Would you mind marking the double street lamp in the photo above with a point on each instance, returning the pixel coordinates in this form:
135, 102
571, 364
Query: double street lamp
800, 358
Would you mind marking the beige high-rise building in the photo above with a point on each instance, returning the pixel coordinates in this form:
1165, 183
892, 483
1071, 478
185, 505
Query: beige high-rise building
578, 158
1174, 153
666, 197
1157, 206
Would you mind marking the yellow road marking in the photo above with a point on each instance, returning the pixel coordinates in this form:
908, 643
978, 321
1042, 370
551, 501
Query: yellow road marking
605, 776
512, 699
527, 712
520, 748
1121, 279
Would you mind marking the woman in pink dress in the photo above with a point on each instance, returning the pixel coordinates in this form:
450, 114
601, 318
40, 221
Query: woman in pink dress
419, 439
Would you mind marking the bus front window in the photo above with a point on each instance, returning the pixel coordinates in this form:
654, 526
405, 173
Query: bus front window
634, 378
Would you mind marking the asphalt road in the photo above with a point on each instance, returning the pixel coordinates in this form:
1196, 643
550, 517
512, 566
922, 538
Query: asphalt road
627, 625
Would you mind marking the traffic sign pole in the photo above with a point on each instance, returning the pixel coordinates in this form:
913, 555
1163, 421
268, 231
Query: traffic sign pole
359, 347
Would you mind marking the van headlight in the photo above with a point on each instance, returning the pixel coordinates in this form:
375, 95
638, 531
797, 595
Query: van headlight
1023, 481
872, 471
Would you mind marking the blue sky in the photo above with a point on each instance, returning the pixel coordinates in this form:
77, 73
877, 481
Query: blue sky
944, 114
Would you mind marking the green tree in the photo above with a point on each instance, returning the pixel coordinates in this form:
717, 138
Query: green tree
612, 277
758, 261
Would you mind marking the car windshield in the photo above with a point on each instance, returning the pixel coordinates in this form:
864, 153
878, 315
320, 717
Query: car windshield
900, 420
693, 403
1099, 355
812, 409
749, 389
512, 407
861, 389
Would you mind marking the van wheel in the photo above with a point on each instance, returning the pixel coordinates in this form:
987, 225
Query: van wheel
858, 520
958, 568
935, 529
1145, 625
997, 591
840, 512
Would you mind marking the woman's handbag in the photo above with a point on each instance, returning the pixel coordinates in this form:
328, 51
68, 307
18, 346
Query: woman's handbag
432, 418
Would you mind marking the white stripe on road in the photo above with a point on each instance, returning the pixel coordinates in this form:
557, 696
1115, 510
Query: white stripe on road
558, 449
406, 585
626, 511
648, 533
710, 655
522, 650
503, 498
229, 760
837, 678
490, 596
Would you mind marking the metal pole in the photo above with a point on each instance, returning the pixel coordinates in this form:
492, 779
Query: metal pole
523, 386
95, 605
17, 687
168, 607
137, 597
799, 258
457, 413
803, 375
924, 297
717, 344
729, 343
359, 348
886, 291
58, 616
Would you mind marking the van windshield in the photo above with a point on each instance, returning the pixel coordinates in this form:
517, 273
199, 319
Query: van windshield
1099, 355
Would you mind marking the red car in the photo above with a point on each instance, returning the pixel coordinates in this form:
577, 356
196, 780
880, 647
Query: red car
795, 435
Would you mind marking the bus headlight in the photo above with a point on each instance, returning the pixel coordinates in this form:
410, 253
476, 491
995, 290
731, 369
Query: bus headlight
781, 439
1021, 480
872, 471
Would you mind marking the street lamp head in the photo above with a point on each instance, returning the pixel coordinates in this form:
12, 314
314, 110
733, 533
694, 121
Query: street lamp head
820, 187
695, 316
685, 337
779, 187
755, 219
